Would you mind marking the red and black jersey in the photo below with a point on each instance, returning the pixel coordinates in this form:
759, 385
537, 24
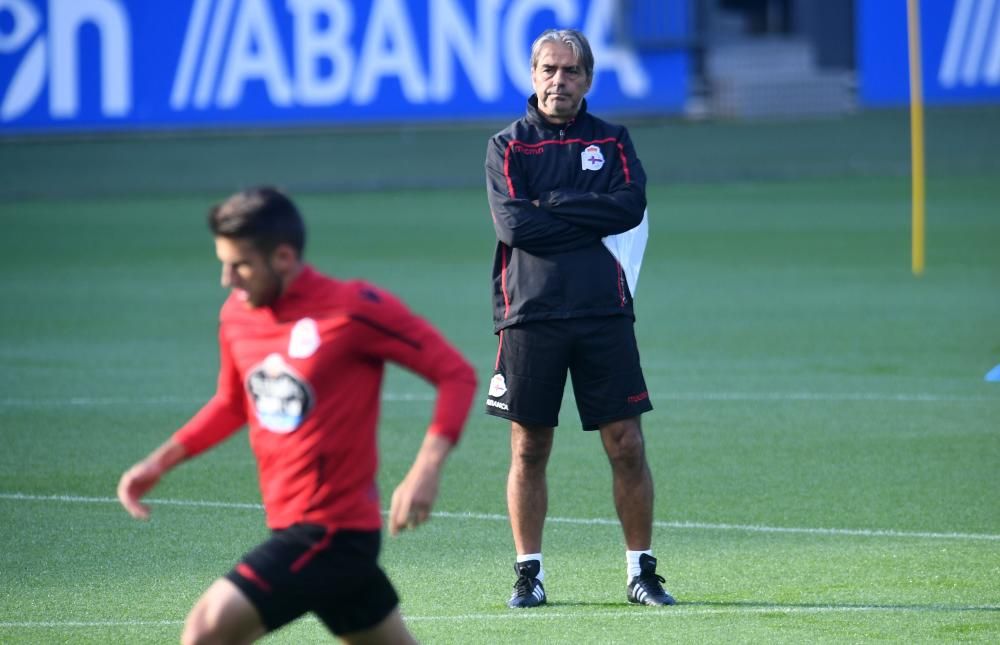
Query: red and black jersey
554, 192
305, 374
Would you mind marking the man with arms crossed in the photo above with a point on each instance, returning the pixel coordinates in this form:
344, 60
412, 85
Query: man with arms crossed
559, 180
301, 362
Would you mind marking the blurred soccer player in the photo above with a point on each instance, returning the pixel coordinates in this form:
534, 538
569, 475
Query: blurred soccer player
559, 180
301, 362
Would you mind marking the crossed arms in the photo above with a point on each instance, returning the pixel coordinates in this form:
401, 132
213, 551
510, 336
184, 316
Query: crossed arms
566, 218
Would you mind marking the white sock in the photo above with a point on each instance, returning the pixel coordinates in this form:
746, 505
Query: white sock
535, 556
632, 562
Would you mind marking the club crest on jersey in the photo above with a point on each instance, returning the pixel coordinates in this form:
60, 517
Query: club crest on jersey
304, 340
281, 398
591, 158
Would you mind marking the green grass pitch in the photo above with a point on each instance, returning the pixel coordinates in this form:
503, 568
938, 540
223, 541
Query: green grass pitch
825, 450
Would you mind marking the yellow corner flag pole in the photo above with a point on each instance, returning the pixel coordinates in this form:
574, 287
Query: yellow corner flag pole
916, 135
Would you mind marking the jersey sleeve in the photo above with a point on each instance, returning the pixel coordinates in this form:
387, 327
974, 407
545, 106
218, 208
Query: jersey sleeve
387, 330
222, 415
518, 222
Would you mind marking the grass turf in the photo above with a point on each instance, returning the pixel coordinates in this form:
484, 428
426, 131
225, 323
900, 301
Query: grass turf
826, 453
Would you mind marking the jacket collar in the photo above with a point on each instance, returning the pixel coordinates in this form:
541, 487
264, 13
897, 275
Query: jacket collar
536, 118
300, 284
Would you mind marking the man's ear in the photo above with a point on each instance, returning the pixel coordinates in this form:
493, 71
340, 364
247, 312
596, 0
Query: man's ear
284, 258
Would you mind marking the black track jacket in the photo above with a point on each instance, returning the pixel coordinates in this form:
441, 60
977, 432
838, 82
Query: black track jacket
554, 192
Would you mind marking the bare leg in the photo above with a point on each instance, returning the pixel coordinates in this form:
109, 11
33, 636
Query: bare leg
527, 491
391, 631
222, 615
632, 481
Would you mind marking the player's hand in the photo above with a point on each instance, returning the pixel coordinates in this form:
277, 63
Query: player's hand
413, 498
134, 484
140, 478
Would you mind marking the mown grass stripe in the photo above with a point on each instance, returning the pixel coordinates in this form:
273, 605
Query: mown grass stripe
99, 401
551, 613
707, 526
393, 397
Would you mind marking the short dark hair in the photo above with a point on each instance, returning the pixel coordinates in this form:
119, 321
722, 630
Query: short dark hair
573, 39
262, 214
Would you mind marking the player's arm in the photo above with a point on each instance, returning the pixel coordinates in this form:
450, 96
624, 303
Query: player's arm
218, 419
390, 331
432, 357
616, 211
518, 220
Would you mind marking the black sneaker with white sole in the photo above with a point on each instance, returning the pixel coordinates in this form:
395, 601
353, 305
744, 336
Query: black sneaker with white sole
646, 588
528, 590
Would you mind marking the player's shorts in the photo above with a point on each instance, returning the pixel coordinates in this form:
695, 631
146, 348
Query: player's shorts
310, 568
602, 359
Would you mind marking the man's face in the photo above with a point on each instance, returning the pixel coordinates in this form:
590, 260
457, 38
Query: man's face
560, 82
246, 271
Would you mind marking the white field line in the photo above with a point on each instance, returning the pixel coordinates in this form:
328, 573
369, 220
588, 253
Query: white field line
493, 517
395, 397
750, 528
680, 611
32, 624
644, 614
823, 396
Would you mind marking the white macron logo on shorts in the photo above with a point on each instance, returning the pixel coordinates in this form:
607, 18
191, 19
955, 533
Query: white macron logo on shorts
498, 387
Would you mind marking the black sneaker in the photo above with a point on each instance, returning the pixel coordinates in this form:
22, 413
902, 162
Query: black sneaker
528, 590
645, 588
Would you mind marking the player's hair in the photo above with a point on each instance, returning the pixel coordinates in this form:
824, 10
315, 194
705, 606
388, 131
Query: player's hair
573, 39
262, 214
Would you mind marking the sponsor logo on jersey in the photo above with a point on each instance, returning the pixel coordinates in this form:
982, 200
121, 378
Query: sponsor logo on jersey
497, 404
304, 340
591, 158
281, 398
498, 387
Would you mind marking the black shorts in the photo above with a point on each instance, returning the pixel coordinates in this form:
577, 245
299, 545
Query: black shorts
600, 355
307, 567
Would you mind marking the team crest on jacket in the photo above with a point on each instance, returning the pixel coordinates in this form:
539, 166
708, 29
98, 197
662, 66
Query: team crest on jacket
591, 158
281, 398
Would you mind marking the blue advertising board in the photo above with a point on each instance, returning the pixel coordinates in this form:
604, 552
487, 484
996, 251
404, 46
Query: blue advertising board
960, 42
97, 65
